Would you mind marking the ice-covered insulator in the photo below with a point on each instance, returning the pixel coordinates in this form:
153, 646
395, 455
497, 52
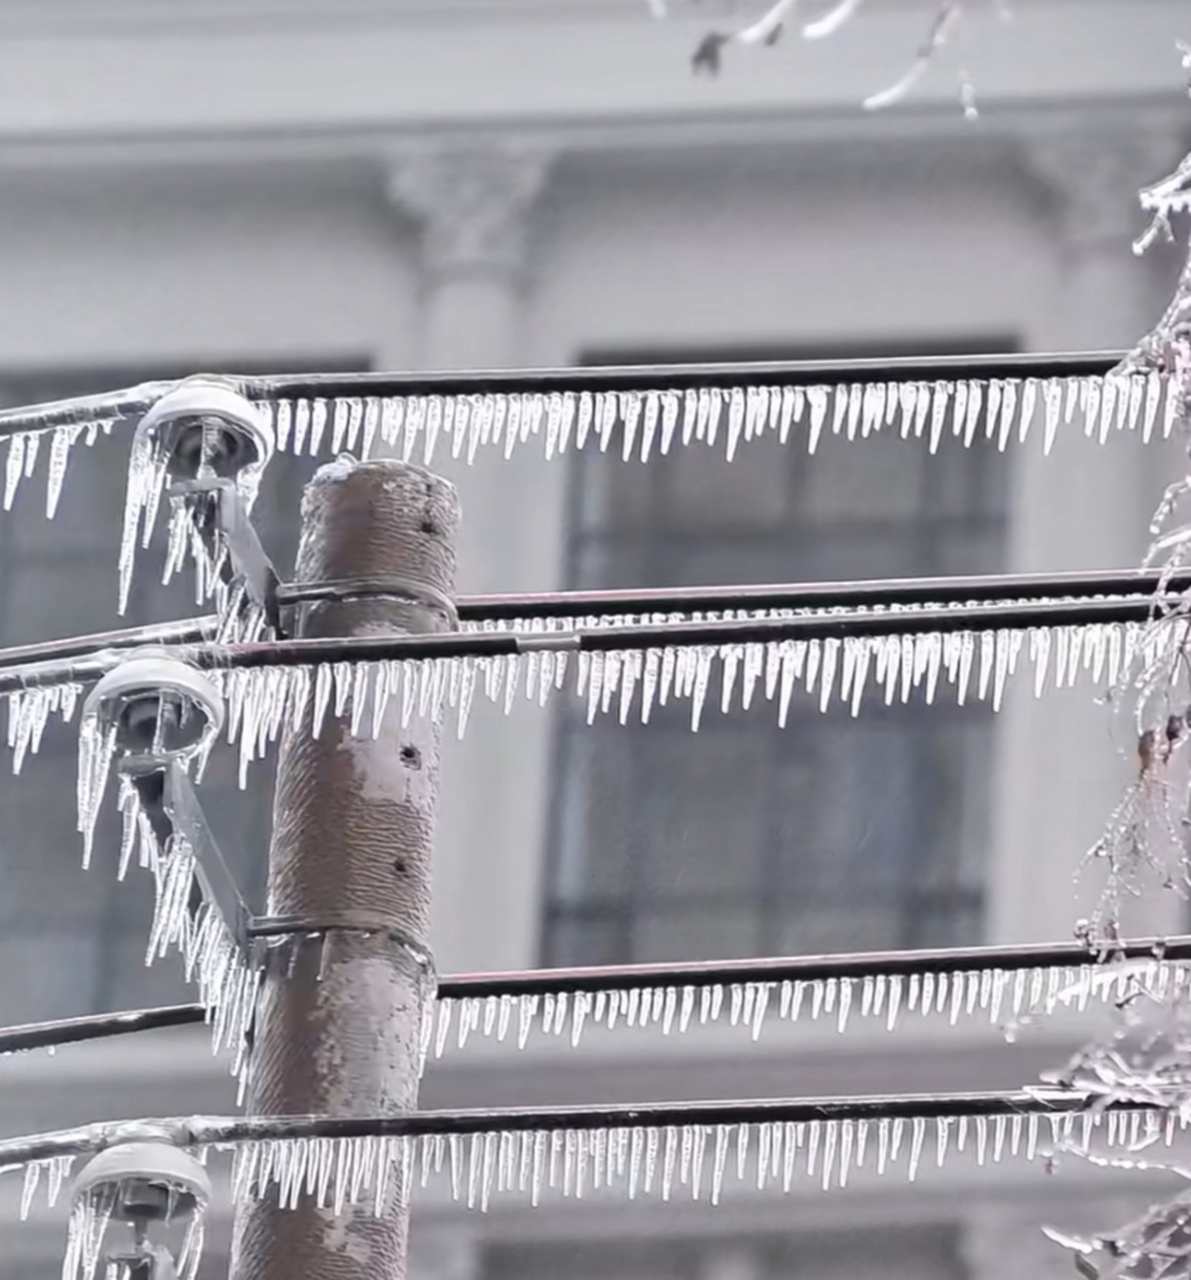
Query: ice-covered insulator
157, 705
148, 1182
149, 1186
203, 428
153, 705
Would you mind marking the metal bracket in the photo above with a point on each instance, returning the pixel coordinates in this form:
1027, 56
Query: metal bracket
171, 804
222, 520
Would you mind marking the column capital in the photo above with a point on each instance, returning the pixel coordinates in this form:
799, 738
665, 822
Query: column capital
1094, 174
473, 201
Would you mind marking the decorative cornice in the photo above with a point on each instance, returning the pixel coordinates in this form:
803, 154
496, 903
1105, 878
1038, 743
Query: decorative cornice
1094, 175
473, 202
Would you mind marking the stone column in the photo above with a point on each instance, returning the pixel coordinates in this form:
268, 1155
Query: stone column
1085, 506
473, 206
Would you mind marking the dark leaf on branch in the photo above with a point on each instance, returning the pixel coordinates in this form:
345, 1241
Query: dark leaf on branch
776, 34
706, 57
1085, 1268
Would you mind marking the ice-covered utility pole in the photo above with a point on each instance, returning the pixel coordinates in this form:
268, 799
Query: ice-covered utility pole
349, 974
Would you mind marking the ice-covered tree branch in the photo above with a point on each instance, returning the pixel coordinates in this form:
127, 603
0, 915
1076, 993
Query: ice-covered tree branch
768, 27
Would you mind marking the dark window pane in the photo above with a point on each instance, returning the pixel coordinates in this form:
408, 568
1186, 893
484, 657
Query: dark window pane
693, 933
577, 939
879, 479
596, 842
705, 792
702, 491
833, 834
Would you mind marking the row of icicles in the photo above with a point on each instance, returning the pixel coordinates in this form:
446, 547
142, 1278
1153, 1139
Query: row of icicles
638, 423
263, 701
664, 1161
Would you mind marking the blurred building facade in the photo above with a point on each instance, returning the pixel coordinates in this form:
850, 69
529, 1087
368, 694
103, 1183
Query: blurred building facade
388, 184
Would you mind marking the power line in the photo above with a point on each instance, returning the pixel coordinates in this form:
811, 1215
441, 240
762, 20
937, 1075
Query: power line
681, 377
629, 638
533, 606
133, 402
595, 978
233, 1130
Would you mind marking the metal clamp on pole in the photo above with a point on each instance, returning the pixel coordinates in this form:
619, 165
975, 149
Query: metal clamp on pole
261, 928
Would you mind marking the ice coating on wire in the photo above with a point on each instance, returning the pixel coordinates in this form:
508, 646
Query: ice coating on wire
29, 712
636, 1153
634, 683
1006, 998
693, 1161
645, 423
55, 1171
55, 444
632, 423
637, 682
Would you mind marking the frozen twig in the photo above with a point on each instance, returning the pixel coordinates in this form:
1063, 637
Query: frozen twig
1149, 1057
767, 29
949, 13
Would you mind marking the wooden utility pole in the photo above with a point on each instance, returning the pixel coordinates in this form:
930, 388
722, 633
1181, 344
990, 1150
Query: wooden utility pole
338, 1028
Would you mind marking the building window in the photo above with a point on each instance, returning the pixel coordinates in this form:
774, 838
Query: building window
745, 839
73, 942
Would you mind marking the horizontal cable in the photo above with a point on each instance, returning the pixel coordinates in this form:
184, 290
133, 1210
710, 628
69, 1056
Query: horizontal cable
873, 593
134, 401
635, 411
965, 651
101, 1026
449, 645
532, 606
184, 631
837, 626
681, 377
692, 1148
856, 966
231, 1130
83, 411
